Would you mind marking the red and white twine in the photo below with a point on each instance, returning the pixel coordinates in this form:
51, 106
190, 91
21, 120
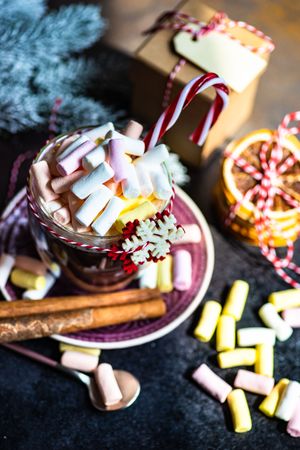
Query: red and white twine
265, 190
177, 21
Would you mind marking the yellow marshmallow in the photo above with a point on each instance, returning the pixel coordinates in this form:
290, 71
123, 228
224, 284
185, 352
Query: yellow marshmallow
285, 299
208, 321
131, 203
264, 364
74, 348
164, 274
269, 405
236, 299
239, 410
225, 338
237, 357
27, 280
141, 212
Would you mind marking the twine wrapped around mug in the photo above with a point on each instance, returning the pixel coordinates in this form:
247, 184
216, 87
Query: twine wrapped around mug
177, 21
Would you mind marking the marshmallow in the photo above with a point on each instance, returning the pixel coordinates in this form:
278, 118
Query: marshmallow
73, 161
141, 212
269, 404
264, 363
293, 426
161, 184
65, 151
79, 361
247, 337
288, 401
253, 382
272, 319
133, 129
62, 215
212, 383
7, 262
63, 184
54, 205
225, 337
285, 299
94, 158
29, 264
27, 280
108, 216
130, 185
144, 180
100, 132
91, 182
63, 347
89, 210
54, 269
292, 317
148, 276
192, 234
154, 156
117, 160
239, 410
114, 187
41, 177
164, 274
65, 143
182, 270
107, 384
127, 145
38, 294
208, 321
237, 357
74, 204
236, 299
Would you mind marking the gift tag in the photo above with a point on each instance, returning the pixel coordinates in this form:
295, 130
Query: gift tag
217, 52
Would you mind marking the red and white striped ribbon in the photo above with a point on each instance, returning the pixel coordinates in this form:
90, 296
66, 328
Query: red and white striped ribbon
266, 190
177, 21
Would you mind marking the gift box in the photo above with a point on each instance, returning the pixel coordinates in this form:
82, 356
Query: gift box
234, 49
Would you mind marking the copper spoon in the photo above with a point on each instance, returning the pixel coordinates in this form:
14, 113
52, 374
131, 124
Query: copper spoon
129, 385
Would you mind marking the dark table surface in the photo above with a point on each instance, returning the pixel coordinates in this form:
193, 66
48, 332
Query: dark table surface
41, 408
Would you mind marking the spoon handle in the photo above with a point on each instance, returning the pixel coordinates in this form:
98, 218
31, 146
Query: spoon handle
48, 361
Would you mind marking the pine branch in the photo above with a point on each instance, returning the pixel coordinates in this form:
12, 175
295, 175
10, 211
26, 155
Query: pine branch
21, 10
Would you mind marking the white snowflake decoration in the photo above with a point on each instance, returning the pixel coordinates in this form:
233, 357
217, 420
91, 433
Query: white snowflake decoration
154, 238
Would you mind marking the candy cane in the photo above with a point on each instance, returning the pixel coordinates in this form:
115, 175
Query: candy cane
169, 117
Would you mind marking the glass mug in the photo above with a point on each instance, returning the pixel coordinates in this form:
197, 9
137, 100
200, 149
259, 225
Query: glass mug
89, 269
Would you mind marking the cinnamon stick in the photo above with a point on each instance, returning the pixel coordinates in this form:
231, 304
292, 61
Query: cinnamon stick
69, 303
41, 325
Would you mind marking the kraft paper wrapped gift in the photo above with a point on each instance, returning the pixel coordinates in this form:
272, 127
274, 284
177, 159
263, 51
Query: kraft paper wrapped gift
240, 67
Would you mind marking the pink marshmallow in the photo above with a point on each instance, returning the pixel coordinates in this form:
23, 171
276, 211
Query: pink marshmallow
41, 177
292, 317
293, 426
192, 234
130, 146
74, 204
79, 361
212, 383
30, 264
182, 270
253, 382
72, 161
62, 215
133, 129
117, 160
107, 384
63, 184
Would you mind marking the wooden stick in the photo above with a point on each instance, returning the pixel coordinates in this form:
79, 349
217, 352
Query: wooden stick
68, 322
69, 303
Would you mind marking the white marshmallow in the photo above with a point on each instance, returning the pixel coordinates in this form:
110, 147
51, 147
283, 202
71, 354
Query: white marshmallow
99, 132
130, 146
109, 216
55, 205
272, 319
161, 185
37, 294
89, 210
144, 180
130, 186
94, 158
154, 156
249, 337
288, 401
90, 183
79, 141
148, 276
6, 264
107, 384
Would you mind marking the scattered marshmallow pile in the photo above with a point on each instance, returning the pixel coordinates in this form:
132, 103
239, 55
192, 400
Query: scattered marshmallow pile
28, 273
283, 399
97, 181
87, 360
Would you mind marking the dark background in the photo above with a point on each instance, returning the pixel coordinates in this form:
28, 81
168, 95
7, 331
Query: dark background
41, 408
